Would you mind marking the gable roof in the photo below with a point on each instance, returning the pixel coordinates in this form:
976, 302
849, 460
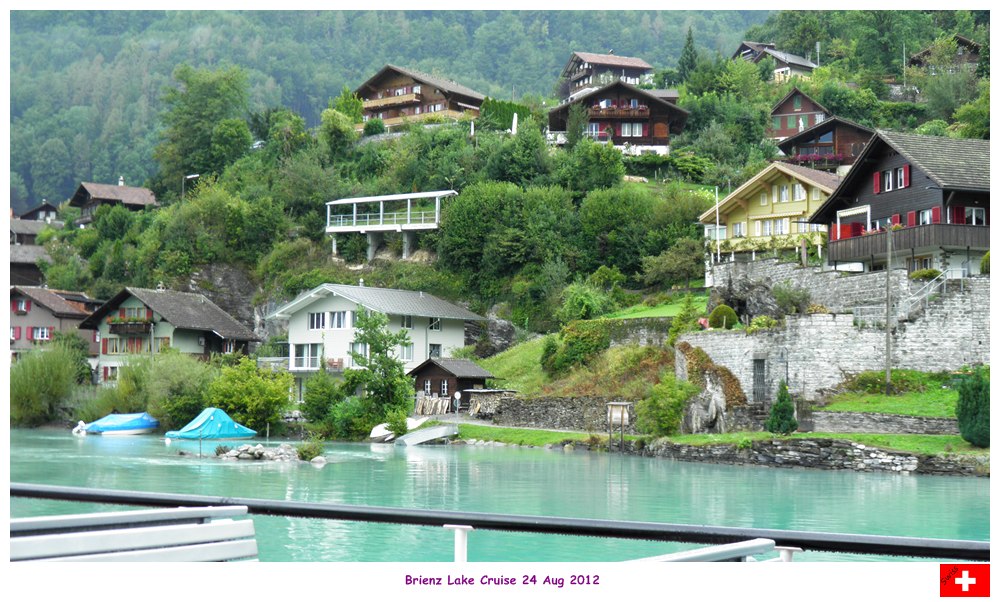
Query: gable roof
445, 85
55, 301
785, 57
612, 60
383, 300
30, 226
126, 195
44, 205
918, 58
459, 368
638, 91
951, 163
28, 254
791, 93
757, 47
819, 128
825, 181
188, 311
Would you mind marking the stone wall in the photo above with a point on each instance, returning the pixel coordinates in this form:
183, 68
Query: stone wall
857, 422
588, 414
816, 352
640, 331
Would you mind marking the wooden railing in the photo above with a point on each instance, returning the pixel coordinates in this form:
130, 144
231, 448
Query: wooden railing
388, 101
928, 235
623, 112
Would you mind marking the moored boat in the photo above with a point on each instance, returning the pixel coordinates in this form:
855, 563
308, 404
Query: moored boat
121, 424
212, 423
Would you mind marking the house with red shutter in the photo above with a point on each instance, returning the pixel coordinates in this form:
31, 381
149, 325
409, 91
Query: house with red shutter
634, 120
930, 194
831, 145
795, 113
399, 96
589, 70
36, 313
140, 321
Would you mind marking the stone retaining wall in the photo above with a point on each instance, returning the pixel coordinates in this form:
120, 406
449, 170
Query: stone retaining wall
857, 422
588, 414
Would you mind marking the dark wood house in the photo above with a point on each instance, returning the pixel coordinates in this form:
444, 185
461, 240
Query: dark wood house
633, 120
24, 268
43, 212
967, 53
89, 196
795, 113
832, 144
589, 70
442, 377
931, 194
786, 64
397, 95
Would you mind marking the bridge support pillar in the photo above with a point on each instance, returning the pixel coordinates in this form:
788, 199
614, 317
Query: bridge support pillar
374, 240
409, 243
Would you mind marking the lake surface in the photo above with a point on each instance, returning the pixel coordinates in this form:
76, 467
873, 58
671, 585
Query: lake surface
501, 480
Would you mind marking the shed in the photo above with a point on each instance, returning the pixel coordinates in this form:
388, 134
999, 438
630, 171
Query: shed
442, 377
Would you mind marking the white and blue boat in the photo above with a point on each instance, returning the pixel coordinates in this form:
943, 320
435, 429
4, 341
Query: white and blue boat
120, 424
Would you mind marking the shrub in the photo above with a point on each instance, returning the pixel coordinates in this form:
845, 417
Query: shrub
351, 419
816, 308
178, 388
685, 320
396, 422
926, 274
39, 382
723, 316
902, 381
307, 450
782, 419
322, 392
550, 348
791, 299
661, 413
984, 264
251, 396
761, 323
973, 408
374, 127
581, 341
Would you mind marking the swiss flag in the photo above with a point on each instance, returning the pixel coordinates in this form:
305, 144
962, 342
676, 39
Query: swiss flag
965, 581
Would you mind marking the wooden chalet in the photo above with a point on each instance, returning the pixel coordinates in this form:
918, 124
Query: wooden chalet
633, 120
397, 95
44, 211
832, 144
795, 113
589, 70
443, 377
967, 54
787, 65
90, 196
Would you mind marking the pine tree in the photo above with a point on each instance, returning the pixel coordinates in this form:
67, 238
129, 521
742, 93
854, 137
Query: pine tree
973, 409
689, 58
782, 420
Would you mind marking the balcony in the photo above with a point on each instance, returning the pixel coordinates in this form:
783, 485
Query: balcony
130, 327
391, 101
393, 121
958, 236
640, 112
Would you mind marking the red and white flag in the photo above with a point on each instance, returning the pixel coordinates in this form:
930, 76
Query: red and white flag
965, 581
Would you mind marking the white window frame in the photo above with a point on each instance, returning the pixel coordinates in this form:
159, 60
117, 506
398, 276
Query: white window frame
899, 178
757, 227
406, 322
444, 387
781, 227
41, 333
887, 180
427, 387
767, 227
434, 324
317, 320
22, 304
763, 199
434, 350
924, 217
739, 229
815, 193
783, 193
799, 192
406, 352
975, 216
338, 320
229, 346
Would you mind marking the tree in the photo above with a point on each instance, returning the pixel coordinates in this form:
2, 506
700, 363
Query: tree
383, 376
590, 166
685, 320
782, 419
40, 382
178, 387
78, 349
688, 61
321, 394
337, 130
682, 262
349, 104
661, 413
231, 139
973, 408
251, 396
973, 119
576, 124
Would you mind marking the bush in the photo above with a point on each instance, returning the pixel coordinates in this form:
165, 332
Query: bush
307, 450
973, 409
251, 396
723, 316
902, 381
782, 419
373, 127
40, 381
550, 348
582, 340
685, 320
178, 388
761, 323
984, 264
791, 299
351, 419
816, 308
926, 274
322, 392
396, 422
661, 413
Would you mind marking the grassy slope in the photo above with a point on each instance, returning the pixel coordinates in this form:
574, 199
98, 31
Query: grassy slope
938, 403
519, 367
659, 311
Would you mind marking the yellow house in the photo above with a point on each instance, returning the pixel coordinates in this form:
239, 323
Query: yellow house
770, 210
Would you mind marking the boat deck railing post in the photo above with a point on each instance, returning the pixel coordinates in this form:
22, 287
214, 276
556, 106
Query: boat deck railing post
461, 541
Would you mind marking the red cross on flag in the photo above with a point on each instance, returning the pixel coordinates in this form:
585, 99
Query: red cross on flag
965, 581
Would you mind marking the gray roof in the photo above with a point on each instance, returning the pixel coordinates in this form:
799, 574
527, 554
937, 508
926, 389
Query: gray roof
788, 58
384, 300
189, 311
460, 368
30, 226
28, 253
613, 60
953, 163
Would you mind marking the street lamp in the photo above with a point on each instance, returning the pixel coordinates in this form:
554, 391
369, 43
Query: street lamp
184, 181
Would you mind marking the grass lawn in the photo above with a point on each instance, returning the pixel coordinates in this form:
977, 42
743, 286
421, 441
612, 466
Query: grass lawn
519, 367
659, 311
524, 436
935, 403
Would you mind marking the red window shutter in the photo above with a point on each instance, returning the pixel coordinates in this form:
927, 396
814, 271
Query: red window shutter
13, 305
149, 314
876, 185
895, 219
28, 333
911, 219
618, 129
935, 215
121, 312
104, 346
105, 373
17, 333
645, 130
906, 176
27, 302
958, 214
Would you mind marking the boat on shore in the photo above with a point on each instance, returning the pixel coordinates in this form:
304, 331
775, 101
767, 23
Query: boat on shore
119, 424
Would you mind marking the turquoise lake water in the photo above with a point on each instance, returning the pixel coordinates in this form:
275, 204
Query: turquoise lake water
501, 480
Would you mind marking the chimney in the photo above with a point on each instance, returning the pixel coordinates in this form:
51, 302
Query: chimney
361, 282
159, 287
121, 180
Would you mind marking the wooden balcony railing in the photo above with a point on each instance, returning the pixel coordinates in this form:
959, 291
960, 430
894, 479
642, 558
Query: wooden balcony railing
390, 101
929, 235
138, 327
623, 113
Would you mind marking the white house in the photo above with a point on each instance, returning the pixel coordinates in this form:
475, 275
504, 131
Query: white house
321, 326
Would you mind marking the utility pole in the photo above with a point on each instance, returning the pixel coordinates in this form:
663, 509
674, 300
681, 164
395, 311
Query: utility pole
888, 310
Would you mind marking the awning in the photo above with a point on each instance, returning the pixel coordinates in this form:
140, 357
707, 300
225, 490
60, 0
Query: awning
856, 211
774, 215
470, 107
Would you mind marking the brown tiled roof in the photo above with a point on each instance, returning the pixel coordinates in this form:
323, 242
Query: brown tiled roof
53, 301
613, 59
825, 179
440, 83
127, 195
460, 368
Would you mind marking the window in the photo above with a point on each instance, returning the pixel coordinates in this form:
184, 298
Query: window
820, 117
406, 322
444, 387
416, 89
338, 319
406, 352
434, 350
800, 192
626, 130
815, 193
767, 227
924, 217
918, 263
887, 180
112, 346
776, 123
757, 228
634, 103
900, 181
307, 355
781, 226
739, 229
427, 386
435, 324
763, 199
110, 373
135, 313
41, 333
797, 102
12, 337
975, 216
594, 129
22, 306
229, 346
783, 193
317, 321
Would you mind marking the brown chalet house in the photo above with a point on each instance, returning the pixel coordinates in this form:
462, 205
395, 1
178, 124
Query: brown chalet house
587, 70
967, 54
930, 193
795, 113
397, 95
787, 65
90, 196
443, 377
36, 313
43, 212
635, 121
832, 145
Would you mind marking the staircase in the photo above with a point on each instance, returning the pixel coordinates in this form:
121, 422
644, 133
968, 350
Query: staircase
915, 305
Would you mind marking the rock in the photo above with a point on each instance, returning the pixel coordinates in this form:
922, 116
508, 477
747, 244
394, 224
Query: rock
318, 461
